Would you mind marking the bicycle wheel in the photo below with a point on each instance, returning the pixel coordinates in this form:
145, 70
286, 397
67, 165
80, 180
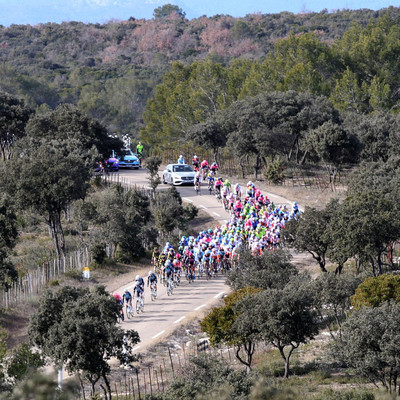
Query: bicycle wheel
137, 306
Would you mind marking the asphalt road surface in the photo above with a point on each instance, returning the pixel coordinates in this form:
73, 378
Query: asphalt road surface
163, 315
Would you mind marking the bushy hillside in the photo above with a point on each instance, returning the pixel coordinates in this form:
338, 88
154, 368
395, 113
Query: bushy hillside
111, 70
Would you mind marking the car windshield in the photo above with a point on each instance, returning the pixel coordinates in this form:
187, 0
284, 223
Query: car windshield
126, 153
182, 168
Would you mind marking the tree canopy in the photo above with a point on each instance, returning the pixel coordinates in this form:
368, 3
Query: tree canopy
77, 328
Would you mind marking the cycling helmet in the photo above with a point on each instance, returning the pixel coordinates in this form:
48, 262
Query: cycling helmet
126, 290
210, 231
137, 278
150, 272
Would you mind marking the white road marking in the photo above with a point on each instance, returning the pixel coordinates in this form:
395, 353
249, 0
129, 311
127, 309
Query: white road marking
135, 348
216, 214
185, 198
201, 205
158, 334
219, 294
198, 308
179, 319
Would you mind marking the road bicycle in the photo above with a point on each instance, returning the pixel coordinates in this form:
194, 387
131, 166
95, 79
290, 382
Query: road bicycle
197, 186
139, 304
225, 203
190, 274
201, 270
177, 277
170, 286
153, 291
129, 310
211, 187
218, 195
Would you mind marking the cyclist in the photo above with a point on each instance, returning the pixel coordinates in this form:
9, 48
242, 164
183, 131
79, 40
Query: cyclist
218, 185
139, 281
127, 298
120, 302
204, 167
196, 162
197, 180
250, 189
238, 191
152, 282
210, 180
139, 149
227, 183
225, 193
152, 279
138, 292
169, 273
214, 167
181, 160
155, 257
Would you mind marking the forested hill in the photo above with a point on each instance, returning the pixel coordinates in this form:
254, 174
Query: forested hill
110, 70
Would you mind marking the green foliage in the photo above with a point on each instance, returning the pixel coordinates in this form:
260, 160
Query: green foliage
285, 318
120, 219
219, 324
331, 299
376, 290
274, 171
153, 164
42, 387
205, 377
78, 328
14, 115
271, 270
369, 343
166, 10
333, 146
167, 210
23, 361
365, 225
208, 134
310, 232
75, 130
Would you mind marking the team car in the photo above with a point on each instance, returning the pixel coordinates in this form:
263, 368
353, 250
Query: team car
127, 159
178, 174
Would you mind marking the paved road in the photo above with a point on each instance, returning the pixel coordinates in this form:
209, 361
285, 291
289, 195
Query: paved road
205, 201
162, 316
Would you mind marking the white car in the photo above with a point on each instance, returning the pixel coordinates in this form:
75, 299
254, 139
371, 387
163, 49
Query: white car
178, 174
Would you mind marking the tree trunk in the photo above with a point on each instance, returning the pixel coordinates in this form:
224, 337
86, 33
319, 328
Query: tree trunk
257, 166
247, 363
303, 159
107, 385
52, 226
339, 269
62, 237
242, 168
287, 359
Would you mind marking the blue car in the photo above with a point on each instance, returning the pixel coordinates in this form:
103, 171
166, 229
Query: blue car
128, 160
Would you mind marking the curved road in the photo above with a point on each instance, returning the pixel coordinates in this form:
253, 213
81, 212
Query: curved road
163, 315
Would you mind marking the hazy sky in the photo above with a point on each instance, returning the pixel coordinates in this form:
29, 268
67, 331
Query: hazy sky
42, 11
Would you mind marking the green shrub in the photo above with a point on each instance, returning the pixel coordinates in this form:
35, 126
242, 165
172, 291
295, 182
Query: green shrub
54, 282
274, 171
23, 361
74, 274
